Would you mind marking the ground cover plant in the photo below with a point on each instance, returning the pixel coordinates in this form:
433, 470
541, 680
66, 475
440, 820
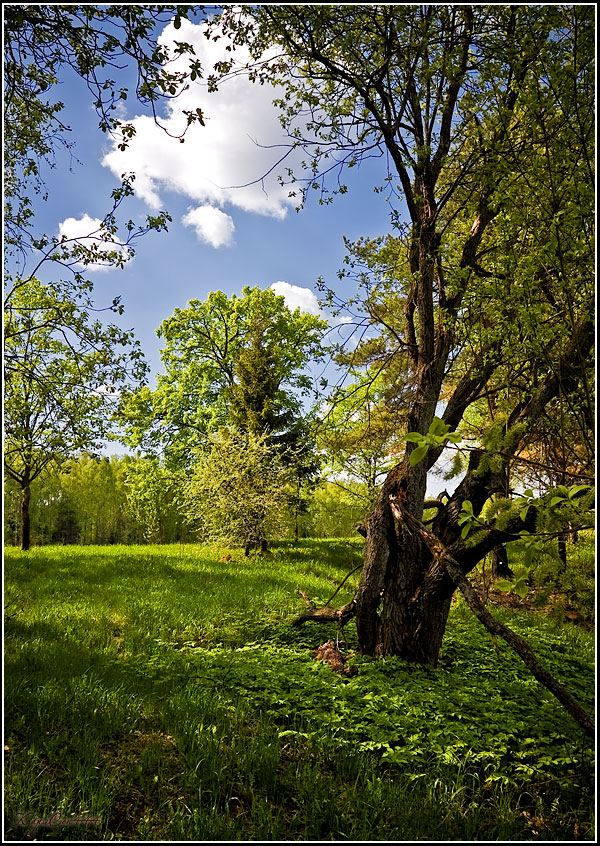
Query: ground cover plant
164, 693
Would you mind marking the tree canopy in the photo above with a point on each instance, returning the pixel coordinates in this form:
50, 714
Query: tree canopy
63, 373
107, 47
215, 351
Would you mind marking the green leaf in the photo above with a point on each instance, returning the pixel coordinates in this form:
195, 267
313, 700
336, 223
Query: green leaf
438, 427
520, 588
575, 489
418, 454
414, 438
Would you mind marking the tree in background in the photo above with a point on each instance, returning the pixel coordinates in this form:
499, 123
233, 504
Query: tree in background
333, 510
62, 374
239, 491
361, 433
485, 115
255, 411
212, 348
92, 500
153, 500
231, 363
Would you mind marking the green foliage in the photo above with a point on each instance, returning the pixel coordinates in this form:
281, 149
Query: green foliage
176, 692
227, 412
467, 518
153, 499
63, 372
334, 509
439, 434
563, 587
360, 433
211, 349
44, 45
240, 490
90, 500
519, 582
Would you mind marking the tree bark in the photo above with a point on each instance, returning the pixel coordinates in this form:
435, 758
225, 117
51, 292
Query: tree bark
562, 550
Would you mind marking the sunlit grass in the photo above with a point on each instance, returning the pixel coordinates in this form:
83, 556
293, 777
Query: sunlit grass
165, 692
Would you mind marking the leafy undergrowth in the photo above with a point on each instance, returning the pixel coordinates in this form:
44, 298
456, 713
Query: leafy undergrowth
164, 693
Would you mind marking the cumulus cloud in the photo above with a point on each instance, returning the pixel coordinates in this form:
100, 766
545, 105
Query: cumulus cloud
212, 226
297, 297
236, 147
89, 233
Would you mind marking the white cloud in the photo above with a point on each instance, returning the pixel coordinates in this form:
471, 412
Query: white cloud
89, 233
224, 153
212, 226
297, 297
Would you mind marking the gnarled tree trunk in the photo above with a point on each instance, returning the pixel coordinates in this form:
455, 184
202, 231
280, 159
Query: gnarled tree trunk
403, 600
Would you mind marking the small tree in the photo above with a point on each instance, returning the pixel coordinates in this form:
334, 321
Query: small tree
240, 490
61, 375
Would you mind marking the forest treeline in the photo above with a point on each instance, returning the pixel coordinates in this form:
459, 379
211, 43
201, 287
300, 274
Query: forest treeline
95, 500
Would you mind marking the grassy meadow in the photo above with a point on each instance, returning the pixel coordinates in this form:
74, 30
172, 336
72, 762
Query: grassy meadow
164, 695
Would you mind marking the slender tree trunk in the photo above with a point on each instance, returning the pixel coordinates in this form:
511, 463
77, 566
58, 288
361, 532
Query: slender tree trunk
562, 550
25, 516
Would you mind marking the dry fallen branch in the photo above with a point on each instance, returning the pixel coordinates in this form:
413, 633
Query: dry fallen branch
327, 615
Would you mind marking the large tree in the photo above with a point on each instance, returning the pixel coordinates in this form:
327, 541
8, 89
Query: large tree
229, 361
485, 115
234, 375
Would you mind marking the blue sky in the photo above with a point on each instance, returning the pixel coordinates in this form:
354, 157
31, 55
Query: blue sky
221, 237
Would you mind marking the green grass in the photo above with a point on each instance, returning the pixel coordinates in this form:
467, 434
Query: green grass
166, 694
